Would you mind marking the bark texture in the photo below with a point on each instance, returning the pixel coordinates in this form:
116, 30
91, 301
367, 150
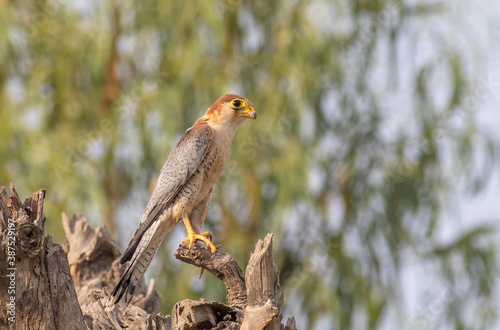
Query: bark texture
35, 279
67, 287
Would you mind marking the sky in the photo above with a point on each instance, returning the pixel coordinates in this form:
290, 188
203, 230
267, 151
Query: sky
424, 297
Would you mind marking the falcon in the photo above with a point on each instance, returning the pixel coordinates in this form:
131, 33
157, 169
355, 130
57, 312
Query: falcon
184, 187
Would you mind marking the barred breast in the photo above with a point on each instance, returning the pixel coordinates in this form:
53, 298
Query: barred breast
200, 183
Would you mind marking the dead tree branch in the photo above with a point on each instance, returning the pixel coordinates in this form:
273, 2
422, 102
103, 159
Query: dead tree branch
222, 265
67, 287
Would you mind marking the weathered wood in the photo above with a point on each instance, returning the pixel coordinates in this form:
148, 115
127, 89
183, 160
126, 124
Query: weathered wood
263, 310
68, 288
259, 316
290, 324
91, 252
36, 280
93, 258
99, 315
222, 265
193, 314
261, 278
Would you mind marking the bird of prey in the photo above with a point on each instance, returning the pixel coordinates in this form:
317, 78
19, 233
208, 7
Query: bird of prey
184, 187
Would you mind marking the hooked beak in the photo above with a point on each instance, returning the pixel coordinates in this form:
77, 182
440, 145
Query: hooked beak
250, 113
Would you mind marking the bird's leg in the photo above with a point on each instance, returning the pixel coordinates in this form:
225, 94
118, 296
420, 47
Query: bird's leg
191, 235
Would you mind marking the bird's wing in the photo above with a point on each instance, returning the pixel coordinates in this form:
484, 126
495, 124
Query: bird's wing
182, 162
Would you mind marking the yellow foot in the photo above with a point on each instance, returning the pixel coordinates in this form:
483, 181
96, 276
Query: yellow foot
207, 235
192, 236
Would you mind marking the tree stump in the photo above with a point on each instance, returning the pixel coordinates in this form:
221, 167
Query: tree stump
36, 280
47, 286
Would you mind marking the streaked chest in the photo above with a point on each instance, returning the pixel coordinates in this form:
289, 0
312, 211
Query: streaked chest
216, 159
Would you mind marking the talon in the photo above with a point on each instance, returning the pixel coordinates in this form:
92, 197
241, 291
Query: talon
207, 235
191, 237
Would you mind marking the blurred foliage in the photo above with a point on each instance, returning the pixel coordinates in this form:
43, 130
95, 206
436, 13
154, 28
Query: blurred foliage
366, 126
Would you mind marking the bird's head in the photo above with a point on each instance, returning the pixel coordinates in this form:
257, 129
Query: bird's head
230, 111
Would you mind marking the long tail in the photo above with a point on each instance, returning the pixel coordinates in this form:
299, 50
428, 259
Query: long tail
142, 257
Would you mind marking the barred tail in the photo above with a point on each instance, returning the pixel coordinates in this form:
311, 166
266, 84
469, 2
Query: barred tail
140, 251
134, 274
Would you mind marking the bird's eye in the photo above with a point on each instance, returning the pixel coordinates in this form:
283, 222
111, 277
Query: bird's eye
237, 104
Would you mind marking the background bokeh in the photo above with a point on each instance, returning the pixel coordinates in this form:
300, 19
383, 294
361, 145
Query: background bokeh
374, 158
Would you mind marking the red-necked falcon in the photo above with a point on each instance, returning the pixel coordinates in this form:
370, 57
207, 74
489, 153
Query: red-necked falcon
184, 187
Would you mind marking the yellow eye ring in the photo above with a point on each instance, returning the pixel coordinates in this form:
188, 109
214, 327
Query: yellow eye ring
237, 103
